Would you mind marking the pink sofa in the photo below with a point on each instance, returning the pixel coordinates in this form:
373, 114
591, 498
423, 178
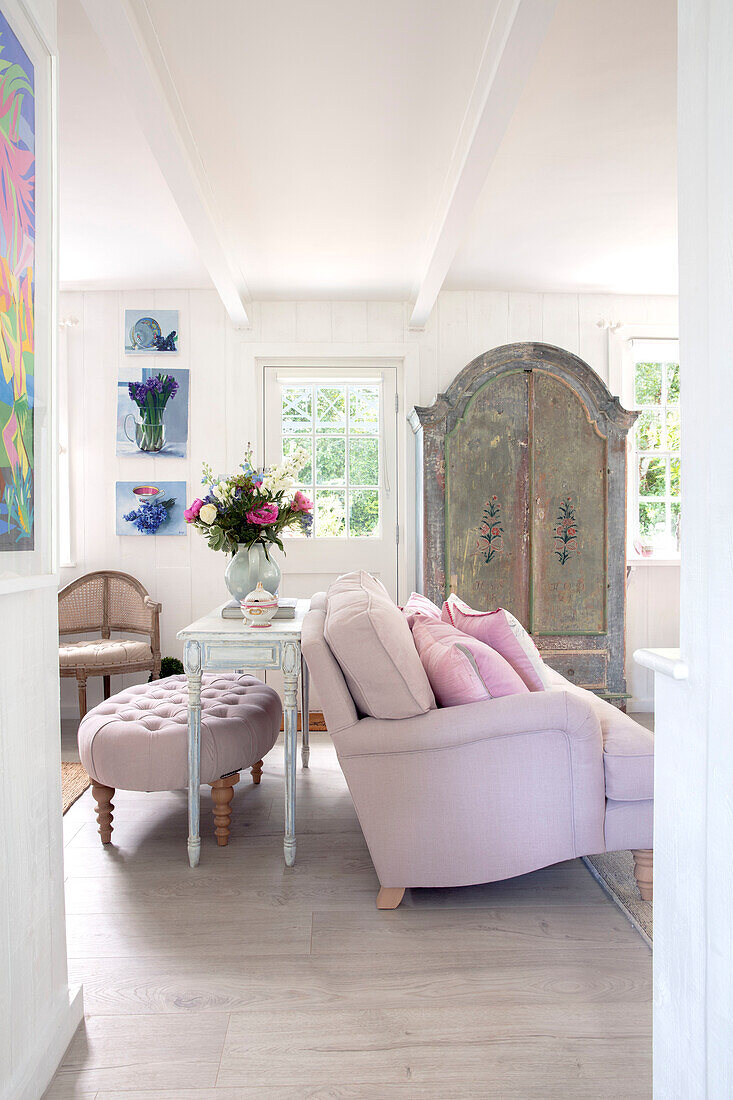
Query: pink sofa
488, 790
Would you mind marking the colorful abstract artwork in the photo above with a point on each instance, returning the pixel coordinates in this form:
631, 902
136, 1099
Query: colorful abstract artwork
17, 258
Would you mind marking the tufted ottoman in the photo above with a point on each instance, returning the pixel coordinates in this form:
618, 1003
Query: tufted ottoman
138, 740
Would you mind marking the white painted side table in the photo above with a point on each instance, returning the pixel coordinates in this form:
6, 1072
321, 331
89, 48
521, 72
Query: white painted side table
213, 643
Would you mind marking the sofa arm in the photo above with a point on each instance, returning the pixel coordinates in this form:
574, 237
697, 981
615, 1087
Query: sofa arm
478, 792
454, 727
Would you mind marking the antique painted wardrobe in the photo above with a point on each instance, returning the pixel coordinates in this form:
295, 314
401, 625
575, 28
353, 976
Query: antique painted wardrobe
521, 468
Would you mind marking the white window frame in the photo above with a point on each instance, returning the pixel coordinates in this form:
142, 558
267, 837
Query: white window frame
343, 376
624, 354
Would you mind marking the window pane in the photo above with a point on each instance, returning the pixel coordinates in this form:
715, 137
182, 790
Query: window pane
330, 461
652, 477
673, 430
649, 431
364, 410
673, 383
364, 512
364, 461
297, 407
676, 522
648, 383
304, 476
652, 519
331, 409
674, 477
330, 513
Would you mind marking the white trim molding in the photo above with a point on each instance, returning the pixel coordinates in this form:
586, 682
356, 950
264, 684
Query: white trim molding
665, 662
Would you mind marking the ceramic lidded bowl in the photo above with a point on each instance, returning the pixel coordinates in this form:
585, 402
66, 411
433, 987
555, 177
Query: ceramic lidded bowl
259, 607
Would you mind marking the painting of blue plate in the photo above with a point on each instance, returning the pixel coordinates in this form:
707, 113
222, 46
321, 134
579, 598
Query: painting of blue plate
144, 332
145, 327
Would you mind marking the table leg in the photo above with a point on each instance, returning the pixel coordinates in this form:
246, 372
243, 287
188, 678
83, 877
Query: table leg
291, 668
305, 712
192, 665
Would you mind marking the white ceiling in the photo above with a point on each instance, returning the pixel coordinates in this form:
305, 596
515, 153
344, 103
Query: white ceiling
118, 224
582, 194
326, 130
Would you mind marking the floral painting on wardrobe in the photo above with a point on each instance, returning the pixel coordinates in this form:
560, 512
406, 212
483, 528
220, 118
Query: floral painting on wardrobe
17, 259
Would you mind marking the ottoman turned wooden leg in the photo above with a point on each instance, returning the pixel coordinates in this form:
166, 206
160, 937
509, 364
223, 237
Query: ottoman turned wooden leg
103, 797
644, 872
256, 770
222, 793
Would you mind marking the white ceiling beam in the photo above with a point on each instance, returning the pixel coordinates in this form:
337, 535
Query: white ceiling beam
513, 42
128, 36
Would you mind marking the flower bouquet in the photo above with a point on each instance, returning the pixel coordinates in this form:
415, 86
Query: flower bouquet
151, 397
245, 514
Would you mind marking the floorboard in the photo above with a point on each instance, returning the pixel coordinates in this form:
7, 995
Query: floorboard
245, 979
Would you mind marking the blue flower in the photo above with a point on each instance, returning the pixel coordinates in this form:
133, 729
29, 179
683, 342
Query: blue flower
149, 516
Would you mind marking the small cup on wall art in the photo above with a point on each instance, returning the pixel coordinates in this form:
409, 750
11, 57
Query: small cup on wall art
151, 331
150, 508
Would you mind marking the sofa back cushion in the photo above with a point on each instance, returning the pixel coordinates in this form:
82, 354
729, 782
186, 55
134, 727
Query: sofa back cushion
369, 637
461, 669
505, 634
418, 606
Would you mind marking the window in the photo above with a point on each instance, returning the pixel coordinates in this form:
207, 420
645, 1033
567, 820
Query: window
656, 467
338, 426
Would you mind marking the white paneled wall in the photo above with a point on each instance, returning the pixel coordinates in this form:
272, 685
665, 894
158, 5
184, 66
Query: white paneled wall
181, 572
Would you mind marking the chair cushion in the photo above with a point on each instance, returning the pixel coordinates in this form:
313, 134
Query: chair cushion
104, 653
504, 633
138, 739
369, 637
461, 669
628, 747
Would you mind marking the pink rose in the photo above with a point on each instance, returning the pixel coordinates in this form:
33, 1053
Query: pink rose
193, 510
264, 515
301, 503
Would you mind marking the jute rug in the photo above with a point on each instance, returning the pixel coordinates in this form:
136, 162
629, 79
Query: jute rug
615, 872
74, 781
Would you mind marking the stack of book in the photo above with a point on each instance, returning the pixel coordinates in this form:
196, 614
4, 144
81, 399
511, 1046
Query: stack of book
285, 609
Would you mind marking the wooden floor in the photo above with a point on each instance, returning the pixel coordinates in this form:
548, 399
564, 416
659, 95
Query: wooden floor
246, 980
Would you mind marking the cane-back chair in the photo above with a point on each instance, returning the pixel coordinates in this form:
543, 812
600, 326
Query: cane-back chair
105, 602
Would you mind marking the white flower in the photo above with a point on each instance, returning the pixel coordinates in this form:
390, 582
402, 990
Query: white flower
222, 491
208, 513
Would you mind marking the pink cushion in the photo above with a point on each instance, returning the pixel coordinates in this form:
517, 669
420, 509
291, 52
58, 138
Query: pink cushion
418, 605
460, 668
505, 634
369, 637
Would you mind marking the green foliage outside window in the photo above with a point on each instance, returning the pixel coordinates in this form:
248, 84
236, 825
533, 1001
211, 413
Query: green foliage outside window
657, 444
339, 426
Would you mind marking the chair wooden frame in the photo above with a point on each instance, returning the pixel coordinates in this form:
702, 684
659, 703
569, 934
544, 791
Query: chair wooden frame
105, 624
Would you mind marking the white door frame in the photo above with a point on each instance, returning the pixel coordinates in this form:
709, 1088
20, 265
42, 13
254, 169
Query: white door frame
246, 425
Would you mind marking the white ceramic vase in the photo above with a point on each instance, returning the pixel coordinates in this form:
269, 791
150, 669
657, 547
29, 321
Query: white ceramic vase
250, 567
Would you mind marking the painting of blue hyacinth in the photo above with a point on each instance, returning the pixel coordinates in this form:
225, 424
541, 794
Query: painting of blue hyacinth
150, 508
151, 331
152, 413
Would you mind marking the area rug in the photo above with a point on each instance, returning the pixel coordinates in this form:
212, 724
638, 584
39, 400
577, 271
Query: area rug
74, 781
615, 872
